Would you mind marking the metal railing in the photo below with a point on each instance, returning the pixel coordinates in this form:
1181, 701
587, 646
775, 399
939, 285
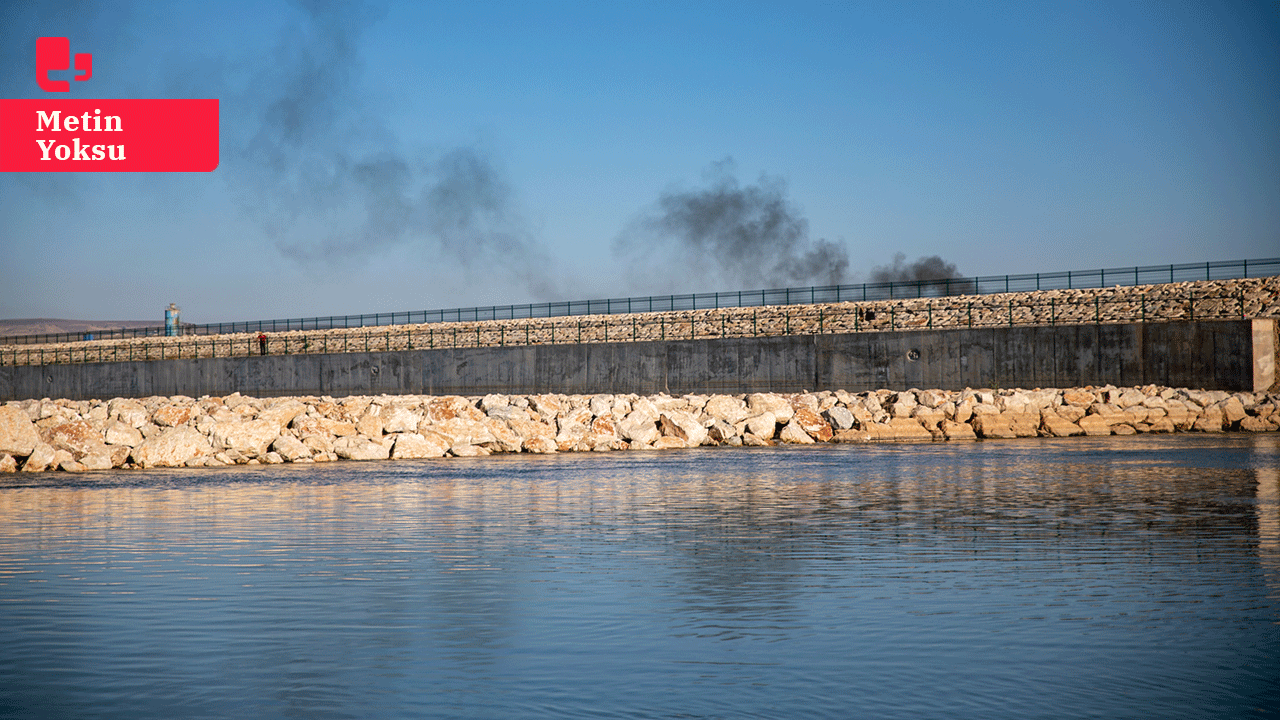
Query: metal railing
906, 314
984, 285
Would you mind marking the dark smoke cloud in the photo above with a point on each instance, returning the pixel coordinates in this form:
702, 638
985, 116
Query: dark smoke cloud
331, 182
924, 270
748, 236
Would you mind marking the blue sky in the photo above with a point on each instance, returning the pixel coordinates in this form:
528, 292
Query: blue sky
397, 156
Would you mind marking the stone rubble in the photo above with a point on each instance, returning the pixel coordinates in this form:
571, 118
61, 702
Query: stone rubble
75, 436
1200, 300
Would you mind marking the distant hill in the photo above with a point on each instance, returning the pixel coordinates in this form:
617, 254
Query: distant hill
50, 326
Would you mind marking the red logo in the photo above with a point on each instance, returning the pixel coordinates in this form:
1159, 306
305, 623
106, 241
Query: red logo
106, 135
54, 53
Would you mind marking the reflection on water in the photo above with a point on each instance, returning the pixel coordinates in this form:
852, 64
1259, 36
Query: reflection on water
1132, 577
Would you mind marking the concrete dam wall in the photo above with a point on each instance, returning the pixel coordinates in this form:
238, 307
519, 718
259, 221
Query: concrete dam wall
1231, 355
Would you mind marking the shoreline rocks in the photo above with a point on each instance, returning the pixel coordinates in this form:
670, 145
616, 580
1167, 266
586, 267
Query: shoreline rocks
179, 431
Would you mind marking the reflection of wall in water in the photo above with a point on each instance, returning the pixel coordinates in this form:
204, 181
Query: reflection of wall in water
1268, 506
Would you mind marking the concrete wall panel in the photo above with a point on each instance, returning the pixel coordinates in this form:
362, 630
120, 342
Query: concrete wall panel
1216, 354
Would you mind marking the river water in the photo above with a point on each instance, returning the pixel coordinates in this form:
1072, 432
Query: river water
1099, 577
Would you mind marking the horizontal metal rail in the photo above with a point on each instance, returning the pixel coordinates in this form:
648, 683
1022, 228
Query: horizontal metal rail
1224, 270
944, 312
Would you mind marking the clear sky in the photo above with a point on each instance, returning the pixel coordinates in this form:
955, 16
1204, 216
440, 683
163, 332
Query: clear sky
416, 155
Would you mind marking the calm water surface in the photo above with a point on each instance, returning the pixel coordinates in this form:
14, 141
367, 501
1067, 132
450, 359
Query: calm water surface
1127, 577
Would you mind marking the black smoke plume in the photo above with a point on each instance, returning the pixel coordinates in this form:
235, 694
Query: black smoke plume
748, 236
926, 271
331, 183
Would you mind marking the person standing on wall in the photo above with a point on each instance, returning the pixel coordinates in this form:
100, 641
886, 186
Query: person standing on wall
262, 343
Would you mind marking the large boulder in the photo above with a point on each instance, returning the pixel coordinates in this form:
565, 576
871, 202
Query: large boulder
172, 415
18, 435
172, 447
246, 436
640, 427
290, 448
679, 424
77, 437
118, 433
413, 445
726, 408
359, 448
781, 408
812, 423
40, 459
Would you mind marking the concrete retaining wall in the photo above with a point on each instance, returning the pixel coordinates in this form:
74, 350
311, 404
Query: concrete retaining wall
1227, 355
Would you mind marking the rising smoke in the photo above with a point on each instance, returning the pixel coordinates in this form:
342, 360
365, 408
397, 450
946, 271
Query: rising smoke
732, 235
331, 183
925, 270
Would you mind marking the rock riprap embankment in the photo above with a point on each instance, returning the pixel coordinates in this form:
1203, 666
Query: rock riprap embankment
37, 435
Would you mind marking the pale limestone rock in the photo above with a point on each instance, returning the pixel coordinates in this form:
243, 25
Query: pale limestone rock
1123, 429
957, 431
272, 458
129, 412
601, 405
639, 427
645, 408
40, 459
414, 446
400, 419
1162, 425
318, 444
669, 442
1211, 420
170, 448
282, 412
839, 417
908, 429
72, 466
1094, 425
675, 423
1058, 426
752, 440
18, 435
764, 425
7, 463
1232, 409
760, 403
540, 445
994, 426
171, 415
60, 457
504, 438
360, 448
370, 423
1256, 424
466, 450
251, 436
930, 418
78, 437
490, 402
729, 409
793, 433
1130, 397
463, 430
722, 432
805, 400
290, 448
1078, 398
119, 433
527, 428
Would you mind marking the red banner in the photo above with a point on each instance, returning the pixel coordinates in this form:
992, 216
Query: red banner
49, 135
